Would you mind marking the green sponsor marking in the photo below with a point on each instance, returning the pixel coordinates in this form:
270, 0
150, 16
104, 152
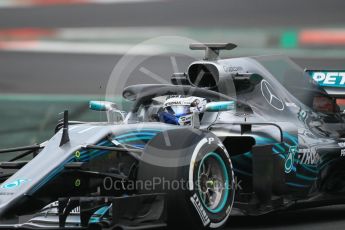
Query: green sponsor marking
77, 154
289, 39
77, 183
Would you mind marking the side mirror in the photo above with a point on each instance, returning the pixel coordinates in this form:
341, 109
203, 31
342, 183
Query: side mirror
102, 105
220, 106
113, 113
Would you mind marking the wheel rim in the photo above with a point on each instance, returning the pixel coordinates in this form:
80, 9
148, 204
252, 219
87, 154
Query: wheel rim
213, 182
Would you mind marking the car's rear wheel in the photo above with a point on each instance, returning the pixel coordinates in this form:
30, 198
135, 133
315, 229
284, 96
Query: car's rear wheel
200, 161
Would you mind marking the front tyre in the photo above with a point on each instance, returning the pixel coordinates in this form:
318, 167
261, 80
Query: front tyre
199, 159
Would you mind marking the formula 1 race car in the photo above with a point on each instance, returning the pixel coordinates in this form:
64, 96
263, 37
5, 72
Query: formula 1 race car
230, 136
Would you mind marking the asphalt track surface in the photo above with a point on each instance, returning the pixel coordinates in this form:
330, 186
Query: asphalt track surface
194, 13
52, 73
70, 74
325, 218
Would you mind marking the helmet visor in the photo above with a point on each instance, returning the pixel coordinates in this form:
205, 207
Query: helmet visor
178, 110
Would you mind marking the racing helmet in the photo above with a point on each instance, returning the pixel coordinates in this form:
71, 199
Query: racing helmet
178, 110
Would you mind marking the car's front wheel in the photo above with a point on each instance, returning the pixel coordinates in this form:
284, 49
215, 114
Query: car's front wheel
196, 174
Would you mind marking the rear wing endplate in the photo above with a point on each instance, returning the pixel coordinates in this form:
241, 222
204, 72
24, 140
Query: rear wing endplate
333, 81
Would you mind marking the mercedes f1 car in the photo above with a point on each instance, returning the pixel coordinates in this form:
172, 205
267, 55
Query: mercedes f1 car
258, 135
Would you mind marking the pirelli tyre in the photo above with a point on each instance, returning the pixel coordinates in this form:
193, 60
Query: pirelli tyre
194, 169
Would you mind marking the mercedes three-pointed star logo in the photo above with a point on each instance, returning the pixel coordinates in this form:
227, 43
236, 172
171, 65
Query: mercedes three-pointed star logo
269, 95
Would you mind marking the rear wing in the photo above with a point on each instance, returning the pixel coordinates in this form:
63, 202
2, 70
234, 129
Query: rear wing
333, 81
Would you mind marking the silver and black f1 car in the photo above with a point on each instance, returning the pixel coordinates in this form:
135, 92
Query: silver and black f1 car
267, 138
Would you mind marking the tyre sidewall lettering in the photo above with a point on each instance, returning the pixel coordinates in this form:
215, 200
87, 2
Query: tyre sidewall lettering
212, 220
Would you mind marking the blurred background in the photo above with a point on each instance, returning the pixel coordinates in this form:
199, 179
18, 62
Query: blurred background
58, 54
